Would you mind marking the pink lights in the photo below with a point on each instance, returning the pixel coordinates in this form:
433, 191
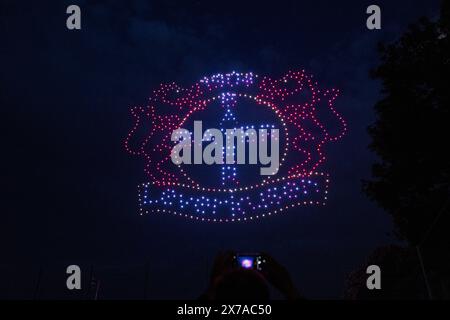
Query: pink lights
298, 107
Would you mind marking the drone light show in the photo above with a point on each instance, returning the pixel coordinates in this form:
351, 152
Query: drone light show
263, 156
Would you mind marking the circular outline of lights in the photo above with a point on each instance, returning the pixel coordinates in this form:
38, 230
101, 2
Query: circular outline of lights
258, 102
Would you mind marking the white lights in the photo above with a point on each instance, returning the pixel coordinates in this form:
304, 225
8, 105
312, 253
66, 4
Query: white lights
294, 100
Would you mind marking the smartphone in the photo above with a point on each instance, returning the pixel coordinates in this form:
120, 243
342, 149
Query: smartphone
249, 261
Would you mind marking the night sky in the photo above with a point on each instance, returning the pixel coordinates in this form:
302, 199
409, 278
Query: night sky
69, 191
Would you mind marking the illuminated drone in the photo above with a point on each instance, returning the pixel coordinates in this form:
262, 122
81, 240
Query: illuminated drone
213, 175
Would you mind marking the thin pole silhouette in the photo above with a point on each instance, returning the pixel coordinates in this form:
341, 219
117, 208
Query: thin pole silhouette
38, 284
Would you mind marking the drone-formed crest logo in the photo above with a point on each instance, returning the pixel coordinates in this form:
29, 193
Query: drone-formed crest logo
293, 106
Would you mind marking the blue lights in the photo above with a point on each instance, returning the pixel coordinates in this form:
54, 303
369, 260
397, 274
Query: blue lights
226, 205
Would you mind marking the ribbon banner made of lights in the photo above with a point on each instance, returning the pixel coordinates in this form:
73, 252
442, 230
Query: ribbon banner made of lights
303, 113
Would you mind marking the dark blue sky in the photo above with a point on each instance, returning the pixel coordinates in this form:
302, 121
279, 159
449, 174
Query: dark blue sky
69, 189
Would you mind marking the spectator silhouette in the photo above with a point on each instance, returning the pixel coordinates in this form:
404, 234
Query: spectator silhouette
231, 282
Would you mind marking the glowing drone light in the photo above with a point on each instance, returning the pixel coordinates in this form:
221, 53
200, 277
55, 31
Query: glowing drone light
294, 102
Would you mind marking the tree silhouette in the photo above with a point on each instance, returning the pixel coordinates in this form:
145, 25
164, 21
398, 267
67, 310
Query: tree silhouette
401, 277
410, 135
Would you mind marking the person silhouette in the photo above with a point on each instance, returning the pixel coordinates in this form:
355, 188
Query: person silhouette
229, 281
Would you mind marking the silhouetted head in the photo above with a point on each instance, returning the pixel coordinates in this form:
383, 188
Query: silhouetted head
241, 284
